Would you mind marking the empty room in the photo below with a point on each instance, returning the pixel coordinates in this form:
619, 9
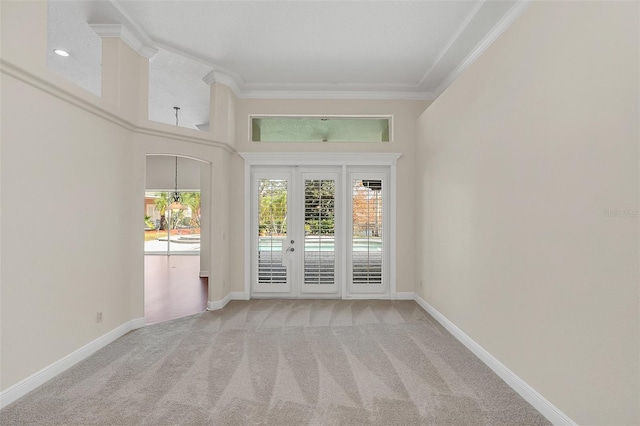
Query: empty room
355, 212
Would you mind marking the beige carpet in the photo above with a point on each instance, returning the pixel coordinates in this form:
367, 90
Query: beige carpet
279, 362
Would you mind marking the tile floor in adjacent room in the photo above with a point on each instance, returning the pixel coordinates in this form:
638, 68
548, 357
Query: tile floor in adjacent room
172, 287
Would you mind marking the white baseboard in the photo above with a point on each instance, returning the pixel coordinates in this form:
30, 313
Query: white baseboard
529, 394
239, 295
204, 274
405, 295
540, 403
368, 296
214, 305
137, 323
25, 386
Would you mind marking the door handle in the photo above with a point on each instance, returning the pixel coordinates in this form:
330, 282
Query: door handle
288, 249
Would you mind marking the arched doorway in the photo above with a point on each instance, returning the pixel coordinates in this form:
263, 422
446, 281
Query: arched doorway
175, 272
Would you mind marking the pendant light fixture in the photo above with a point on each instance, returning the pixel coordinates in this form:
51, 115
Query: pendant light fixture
175, 198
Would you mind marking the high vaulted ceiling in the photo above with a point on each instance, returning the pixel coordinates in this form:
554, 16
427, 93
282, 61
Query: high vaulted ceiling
312, 49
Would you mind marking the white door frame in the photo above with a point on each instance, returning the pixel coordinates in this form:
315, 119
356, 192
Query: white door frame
344, 160
368, 290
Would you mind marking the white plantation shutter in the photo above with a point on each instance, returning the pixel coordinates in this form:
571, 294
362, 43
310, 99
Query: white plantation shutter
272, 202
319, 224
367, 225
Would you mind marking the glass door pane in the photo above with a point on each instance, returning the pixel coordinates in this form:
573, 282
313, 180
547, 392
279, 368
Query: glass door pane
367, 245
367, 231
272, 230
184, 224
272, 227
320, 233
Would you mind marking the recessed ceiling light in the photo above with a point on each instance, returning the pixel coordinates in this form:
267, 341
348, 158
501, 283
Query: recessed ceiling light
61, 52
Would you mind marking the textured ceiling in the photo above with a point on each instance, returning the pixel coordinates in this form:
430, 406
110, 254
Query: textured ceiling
71, 33
332, 49
177, 81
308, 42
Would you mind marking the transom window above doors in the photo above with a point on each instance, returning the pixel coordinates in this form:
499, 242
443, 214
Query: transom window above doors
330, 128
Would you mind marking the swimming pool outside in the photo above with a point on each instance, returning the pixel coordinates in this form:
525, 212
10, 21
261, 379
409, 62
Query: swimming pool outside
314, 243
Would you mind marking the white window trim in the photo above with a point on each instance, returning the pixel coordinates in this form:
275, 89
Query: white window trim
322, 159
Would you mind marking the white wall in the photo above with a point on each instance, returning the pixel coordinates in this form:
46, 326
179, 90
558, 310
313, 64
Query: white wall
519, 164
404, 114
65, 236
161, 173
73, 179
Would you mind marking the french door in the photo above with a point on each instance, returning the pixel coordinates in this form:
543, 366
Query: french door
296, 219
319, 232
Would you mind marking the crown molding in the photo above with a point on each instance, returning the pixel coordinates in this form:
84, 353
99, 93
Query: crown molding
312, 91
210, 78
217, 76
126, 35
452, 40
244, 90
512, 14
145, 45
335, 94
229, 81
132, 23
